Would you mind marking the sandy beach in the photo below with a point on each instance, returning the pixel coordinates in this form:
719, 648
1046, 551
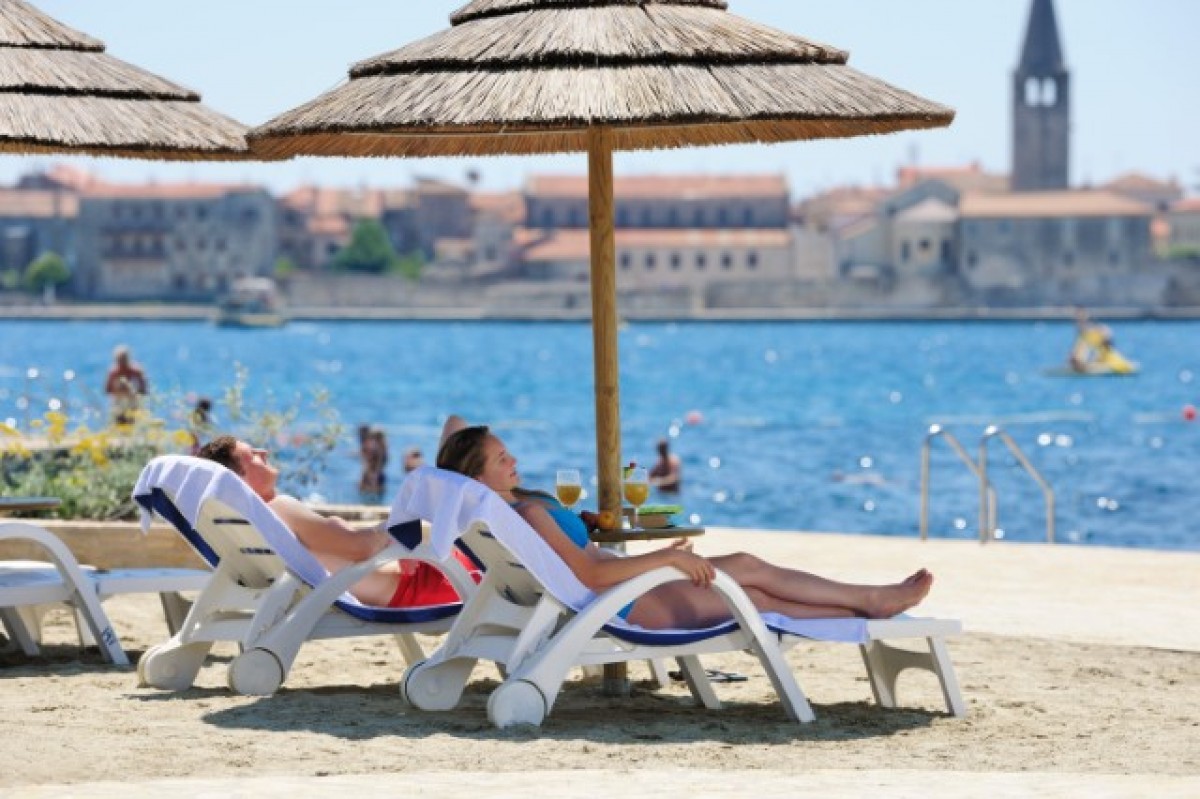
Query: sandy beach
1080, 668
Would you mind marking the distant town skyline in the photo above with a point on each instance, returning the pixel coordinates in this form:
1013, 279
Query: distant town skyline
1131, 66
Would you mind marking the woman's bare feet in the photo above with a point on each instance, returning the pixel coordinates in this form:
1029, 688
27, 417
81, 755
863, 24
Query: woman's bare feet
889, 600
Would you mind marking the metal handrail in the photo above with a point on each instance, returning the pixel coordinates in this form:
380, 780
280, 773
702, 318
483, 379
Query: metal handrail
987, 506
993, 431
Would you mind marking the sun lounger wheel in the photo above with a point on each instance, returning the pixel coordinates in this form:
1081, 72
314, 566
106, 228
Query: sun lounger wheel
517, 702
170, 666
435, 687
256, 672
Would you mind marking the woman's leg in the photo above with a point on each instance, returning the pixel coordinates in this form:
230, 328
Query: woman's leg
797, 587
682, 605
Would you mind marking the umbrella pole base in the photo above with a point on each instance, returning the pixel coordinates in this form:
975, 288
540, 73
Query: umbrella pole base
616, 680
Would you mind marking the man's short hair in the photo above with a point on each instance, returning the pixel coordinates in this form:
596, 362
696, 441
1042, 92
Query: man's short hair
221, 450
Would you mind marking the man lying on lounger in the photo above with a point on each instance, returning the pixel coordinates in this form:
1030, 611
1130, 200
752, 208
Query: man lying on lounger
333, 541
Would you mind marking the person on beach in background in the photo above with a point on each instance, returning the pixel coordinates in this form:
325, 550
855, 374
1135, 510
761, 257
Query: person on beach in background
372, 451
667, 473
477, 453
125, 384
200, 423
333, 541
413, 459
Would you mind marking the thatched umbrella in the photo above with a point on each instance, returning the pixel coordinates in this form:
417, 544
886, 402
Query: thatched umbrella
550, 76
60, 93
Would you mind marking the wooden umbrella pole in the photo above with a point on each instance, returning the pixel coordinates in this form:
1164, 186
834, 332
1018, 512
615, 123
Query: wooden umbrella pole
604, 319
604, 347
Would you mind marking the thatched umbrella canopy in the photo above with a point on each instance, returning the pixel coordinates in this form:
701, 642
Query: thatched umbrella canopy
60, 93
549, 76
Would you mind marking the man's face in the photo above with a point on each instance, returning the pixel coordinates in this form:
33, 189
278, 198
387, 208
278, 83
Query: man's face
256, 470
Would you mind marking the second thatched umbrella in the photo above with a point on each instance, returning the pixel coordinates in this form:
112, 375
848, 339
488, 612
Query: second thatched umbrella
60, 93
550, 76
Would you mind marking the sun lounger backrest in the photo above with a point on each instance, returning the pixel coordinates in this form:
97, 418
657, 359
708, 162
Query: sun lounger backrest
511, 578
458, 507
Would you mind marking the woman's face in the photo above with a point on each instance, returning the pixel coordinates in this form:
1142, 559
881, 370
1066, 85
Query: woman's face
499, 467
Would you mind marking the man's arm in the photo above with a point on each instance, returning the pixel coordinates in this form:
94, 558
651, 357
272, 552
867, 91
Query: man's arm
328, 535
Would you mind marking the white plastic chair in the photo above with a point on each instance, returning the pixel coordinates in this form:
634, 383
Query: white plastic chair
26, 588
533, 616
267, 592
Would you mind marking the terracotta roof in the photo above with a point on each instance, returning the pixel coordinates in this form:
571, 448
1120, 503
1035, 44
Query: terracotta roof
971, 177
575, 245
508, 206
320, 201
1138, 181
333, 225
165, 191
931, 209
1191, 205
38, 204
669, 186
72, 177
1048, 204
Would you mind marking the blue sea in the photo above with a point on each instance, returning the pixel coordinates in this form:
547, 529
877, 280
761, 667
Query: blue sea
789, 426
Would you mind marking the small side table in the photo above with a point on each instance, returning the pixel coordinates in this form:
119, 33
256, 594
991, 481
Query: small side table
18, 504
644, 534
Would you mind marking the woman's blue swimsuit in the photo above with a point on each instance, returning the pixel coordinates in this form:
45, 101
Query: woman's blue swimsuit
577, 531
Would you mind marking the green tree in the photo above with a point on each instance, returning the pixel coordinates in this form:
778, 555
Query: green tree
284, 268
369, 250
410, 266
47, 272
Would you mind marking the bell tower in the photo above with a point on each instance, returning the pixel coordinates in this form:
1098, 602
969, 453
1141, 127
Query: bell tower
1041, 138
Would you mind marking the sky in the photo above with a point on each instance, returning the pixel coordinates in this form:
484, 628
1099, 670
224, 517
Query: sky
1133, 63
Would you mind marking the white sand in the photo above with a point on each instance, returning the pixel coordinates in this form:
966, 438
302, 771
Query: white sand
1081, 670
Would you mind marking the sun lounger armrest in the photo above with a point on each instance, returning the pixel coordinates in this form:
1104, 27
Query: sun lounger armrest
341, 581
63, 559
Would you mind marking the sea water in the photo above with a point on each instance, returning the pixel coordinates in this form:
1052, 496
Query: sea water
788, 426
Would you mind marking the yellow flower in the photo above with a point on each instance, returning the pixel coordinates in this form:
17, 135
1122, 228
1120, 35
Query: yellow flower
182, 438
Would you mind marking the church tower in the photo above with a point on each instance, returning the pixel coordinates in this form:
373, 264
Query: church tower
1041, 107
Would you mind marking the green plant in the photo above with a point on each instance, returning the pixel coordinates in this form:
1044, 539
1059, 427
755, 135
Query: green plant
93, 471
409, 266
370, 250
1184, 252
48, 270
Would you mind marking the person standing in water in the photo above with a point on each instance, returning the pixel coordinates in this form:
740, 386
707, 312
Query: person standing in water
125, 385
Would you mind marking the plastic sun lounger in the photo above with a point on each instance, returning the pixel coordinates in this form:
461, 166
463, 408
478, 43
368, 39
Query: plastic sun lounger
26, 588
532, 615
267, 592
168, 583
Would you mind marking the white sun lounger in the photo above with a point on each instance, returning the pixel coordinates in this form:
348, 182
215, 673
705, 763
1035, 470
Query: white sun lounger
267, 592
26, 588
533, 616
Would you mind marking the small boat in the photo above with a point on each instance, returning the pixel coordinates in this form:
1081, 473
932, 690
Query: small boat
252, 302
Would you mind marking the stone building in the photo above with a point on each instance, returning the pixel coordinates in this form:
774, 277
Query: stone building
175, 242
1184, 226
33, 222
679, 239
1051, 248
1041, 98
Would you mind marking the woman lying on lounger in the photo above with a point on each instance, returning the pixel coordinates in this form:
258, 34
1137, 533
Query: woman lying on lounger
333, 541
476, 453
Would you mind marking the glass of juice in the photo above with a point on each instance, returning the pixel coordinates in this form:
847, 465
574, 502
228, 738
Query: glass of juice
568, 487
637, 489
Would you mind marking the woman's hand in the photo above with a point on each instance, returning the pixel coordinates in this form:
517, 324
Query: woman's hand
701, 572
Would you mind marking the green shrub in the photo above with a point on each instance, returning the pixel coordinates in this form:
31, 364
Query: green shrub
93, 472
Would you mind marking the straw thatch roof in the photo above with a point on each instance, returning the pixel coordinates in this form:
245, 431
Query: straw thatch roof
61, 93
531, 76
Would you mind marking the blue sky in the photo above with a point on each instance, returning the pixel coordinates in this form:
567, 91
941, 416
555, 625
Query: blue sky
1134, 64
